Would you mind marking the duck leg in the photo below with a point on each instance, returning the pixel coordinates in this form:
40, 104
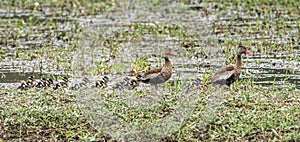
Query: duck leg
155, 89
229, 88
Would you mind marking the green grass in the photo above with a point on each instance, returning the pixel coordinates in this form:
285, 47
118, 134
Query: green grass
248, 112
60, 8
251, 113
41, 114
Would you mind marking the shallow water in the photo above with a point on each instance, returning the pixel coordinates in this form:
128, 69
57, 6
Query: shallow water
212, 35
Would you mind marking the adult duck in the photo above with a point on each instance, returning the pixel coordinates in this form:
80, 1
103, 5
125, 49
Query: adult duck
230, 73
161, 74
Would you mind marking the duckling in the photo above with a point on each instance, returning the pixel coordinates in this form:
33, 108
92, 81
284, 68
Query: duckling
64, 82
102, 83
22, 86
127, 83
132, 82
44, 82
61, 83
40, 83
28, 84
49, 82
79, 85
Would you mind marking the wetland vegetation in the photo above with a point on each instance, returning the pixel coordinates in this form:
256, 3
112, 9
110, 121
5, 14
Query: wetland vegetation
119, 39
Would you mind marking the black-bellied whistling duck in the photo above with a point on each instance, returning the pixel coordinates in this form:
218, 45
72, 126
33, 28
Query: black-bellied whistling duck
230, 73
159, 75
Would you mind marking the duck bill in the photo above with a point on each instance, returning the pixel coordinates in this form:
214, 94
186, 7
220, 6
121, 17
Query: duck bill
172, 53
248, 51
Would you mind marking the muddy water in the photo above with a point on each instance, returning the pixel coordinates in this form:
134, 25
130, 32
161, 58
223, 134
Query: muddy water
212, 31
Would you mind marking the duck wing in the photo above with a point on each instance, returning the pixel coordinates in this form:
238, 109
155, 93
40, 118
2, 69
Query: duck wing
223, 74
152, 76
161, 77
152, 72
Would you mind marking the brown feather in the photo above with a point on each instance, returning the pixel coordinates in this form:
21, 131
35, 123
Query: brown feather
223, 74
230, 73
152, 71
229, 68
158, 75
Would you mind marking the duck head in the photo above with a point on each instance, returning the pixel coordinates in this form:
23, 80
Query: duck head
169, 52
243, 50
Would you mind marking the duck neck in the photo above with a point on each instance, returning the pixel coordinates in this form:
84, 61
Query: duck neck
238, 63
168, 65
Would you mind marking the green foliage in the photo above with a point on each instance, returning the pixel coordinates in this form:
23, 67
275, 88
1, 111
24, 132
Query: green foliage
245, 113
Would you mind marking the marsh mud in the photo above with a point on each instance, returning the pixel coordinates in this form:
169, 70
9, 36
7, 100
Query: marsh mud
204, 35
